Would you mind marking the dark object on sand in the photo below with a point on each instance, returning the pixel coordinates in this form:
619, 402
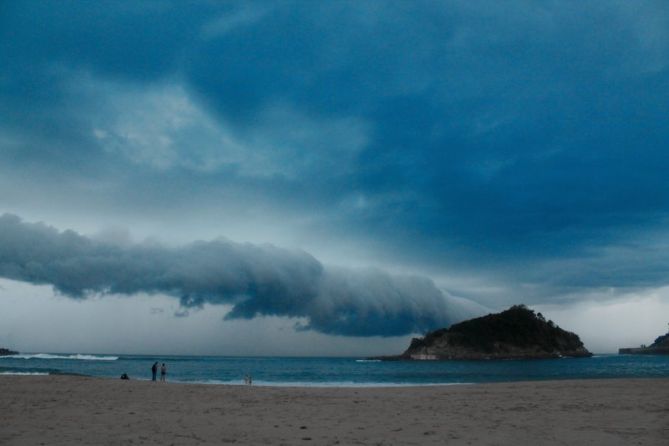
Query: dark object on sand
517, 333
659, 347
7, 352
125, 376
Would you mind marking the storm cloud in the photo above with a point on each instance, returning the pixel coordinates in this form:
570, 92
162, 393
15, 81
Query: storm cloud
255, 280
511, 152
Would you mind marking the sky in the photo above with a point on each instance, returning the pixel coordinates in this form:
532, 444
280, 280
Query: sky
316, 178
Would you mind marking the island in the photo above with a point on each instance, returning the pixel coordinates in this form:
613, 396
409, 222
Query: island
7, 352
517, 333
659, 347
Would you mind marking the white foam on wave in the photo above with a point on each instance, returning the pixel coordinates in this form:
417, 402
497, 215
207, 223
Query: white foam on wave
24, 373
328, 384
367, 360
52, 356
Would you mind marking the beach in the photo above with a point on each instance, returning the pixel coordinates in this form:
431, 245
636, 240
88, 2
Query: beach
70, 410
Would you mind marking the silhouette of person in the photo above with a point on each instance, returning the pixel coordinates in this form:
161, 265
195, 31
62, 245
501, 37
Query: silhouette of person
154, 370
163, 372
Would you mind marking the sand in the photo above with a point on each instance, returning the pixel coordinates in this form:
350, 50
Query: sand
66, 410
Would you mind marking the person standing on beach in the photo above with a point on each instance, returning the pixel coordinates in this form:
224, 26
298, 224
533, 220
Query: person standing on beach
163, 372
154, 370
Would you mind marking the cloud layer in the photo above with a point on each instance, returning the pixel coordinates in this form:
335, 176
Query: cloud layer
518, 148
254, 280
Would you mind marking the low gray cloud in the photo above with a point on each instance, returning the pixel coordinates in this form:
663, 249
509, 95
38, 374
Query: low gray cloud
257, 280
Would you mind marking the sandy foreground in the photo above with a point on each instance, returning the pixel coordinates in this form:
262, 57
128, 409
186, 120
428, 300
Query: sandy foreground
66, 410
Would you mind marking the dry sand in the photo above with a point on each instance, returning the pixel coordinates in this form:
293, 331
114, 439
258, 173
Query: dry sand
65, 410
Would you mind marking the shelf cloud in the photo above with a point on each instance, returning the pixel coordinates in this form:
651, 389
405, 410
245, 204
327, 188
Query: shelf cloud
511, 152
256, 280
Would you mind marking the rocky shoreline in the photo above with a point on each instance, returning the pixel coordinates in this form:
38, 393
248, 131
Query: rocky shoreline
659, 347
644, 351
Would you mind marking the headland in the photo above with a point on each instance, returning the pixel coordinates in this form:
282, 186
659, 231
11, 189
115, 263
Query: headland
517, 333
7, 352
659, 347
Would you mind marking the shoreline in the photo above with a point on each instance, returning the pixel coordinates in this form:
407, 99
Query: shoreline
60, 410
327, 384
263, 384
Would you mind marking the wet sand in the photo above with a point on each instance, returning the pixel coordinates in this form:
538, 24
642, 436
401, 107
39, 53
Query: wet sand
67, 410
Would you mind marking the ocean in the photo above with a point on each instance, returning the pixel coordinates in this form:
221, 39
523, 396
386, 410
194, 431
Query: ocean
333, 372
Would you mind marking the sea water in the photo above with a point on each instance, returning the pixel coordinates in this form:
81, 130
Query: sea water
326, 372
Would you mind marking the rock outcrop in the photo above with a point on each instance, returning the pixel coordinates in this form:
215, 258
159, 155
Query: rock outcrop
659, 347
517, 333
7, 352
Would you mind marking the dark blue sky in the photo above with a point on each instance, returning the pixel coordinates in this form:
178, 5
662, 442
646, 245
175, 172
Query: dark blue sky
511, 151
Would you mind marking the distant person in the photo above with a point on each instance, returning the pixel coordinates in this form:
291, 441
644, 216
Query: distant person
163, 372
154, 371
125, 376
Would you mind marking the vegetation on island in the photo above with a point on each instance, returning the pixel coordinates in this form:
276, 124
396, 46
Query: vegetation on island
517, 333
659, 347
661, 341
7, 352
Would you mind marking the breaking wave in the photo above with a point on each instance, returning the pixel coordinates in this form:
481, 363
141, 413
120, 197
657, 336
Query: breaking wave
52, 356
327, 384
